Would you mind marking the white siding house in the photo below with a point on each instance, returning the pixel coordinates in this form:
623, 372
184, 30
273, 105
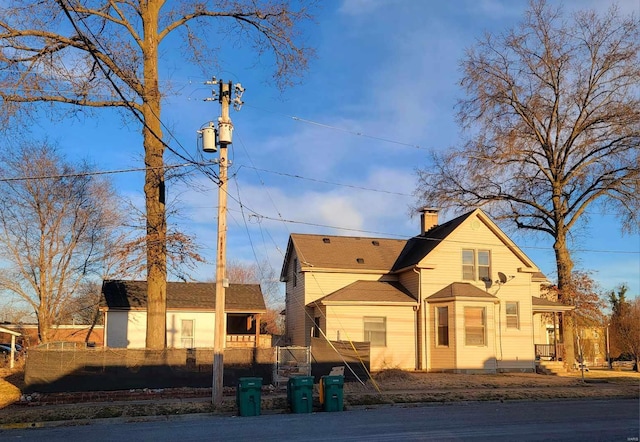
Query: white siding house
190, 314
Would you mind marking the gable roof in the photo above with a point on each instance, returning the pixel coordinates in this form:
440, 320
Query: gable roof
419, 246
461, 290
371, 292
342, 252
132, 295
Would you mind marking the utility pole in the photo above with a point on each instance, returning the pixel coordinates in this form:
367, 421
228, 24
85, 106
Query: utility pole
211, 138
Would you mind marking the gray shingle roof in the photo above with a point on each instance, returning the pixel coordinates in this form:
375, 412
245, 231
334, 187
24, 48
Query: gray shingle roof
118, 294
371, 292
457, 289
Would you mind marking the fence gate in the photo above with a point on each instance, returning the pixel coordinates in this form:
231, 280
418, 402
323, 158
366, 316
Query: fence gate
291, 361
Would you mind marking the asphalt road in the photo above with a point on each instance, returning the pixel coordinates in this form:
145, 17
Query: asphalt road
570, 420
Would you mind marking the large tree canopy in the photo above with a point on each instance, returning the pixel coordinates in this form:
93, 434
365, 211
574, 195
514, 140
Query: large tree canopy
105, 53
552, 110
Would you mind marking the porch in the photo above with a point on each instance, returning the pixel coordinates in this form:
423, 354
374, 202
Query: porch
549, 352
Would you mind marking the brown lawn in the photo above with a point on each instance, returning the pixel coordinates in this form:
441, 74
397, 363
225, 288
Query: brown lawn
388, 387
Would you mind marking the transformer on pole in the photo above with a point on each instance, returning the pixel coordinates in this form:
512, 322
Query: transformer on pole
213, 138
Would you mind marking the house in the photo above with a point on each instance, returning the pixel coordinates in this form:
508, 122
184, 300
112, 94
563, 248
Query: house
459, 297
85, 334
190, 314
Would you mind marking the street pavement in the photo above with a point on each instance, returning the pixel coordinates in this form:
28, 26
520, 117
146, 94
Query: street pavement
560, 420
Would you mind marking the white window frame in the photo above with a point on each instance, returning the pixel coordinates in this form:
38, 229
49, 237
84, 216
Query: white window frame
473, 269
513, 316
439, 325
468, 274
188, 339
375, 330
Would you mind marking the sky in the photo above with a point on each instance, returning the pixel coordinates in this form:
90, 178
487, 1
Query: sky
338, 153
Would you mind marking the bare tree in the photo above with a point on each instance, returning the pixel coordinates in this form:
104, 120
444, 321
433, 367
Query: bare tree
240, 273
553, 113
625, 325
55, 218
105, 53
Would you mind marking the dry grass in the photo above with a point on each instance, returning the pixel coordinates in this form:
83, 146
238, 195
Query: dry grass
387, 387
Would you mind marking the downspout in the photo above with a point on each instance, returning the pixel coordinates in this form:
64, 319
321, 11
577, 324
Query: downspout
418, 310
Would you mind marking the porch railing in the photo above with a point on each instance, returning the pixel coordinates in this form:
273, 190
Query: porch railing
548, 352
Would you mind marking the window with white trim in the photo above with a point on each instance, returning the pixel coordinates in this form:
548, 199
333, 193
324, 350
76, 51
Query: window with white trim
476, 265
442, 326
512, 310
375, 330
474, 326
468, 265
187, 333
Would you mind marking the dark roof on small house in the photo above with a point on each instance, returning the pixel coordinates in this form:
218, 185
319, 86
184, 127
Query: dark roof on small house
460, 289
132, 295
371, 292
346, 252
418, 247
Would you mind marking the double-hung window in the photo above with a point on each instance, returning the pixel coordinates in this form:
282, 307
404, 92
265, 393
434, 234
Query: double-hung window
442, 326
375, 330
475, 321
476, 265
187, 333
512, 313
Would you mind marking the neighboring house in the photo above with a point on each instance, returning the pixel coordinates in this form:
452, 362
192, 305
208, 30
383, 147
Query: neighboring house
460, 296
190, 314
85, 334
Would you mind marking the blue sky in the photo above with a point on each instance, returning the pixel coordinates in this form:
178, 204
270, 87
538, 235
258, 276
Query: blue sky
387, 70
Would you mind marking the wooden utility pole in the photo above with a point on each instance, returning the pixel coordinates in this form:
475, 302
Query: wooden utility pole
220, 336
211, 140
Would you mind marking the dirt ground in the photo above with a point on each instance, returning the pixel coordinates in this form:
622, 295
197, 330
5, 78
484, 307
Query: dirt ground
389, 387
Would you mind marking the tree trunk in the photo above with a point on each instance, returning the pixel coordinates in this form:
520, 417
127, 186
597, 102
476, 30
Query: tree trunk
154, 183
565, 287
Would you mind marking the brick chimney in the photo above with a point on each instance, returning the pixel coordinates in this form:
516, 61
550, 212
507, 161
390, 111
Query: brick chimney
428, 219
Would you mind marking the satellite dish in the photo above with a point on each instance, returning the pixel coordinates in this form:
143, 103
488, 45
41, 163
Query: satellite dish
487, 283
502, 277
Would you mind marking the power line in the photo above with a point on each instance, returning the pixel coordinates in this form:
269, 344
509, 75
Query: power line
323, 181
341, 129
100, 172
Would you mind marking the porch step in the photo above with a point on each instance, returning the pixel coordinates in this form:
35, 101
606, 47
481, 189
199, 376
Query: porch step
551, 367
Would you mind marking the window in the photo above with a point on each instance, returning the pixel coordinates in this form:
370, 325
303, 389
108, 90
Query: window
316, 327
442, 324
468, 265
484, 265
375, 331
512, 315
472, 259
474, 326
186, 333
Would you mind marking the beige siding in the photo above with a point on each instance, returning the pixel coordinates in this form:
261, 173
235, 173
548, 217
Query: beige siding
441, 358
320, 284
512, 348
472, 357
296, 319
348, 322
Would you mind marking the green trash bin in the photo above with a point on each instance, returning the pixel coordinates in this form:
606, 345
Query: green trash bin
331, 393
300, 394
248, 396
